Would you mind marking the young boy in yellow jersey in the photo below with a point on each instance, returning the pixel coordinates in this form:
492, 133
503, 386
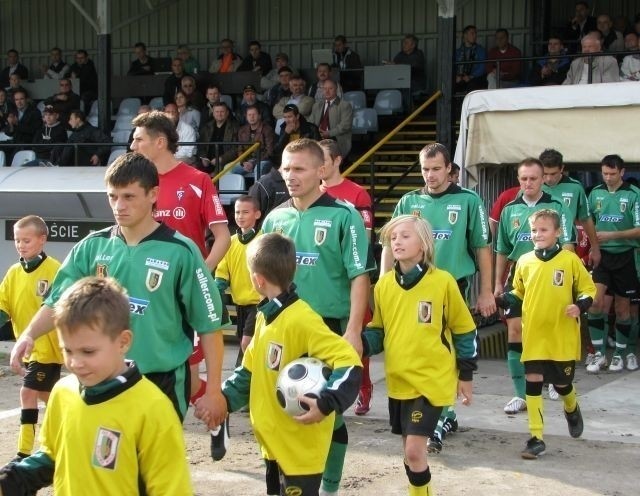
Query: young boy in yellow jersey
295, 448
422, 323
22, 291
107, 429
554, 288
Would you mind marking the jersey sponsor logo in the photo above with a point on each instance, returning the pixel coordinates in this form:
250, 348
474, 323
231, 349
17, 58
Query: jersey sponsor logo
416, 416
206, 294
453, 217
217, 206
159, 214
320, 235
105, 451
366, 217
354, 247
153, 280
424, 312
180, 193
179, 213
137, 306
101, 270
307, 259
442, 234
274, 355
454, 207
322, 223
524, 236
293, 491
558, 277
158, 264
611, 218
42, 288
103, 258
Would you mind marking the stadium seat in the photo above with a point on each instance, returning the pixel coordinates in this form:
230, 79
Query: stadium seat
123, 123
22, 157
40, 106
228, 100
278, 124
357, 99
129, 106
121, 135
364, 121
233, 186
3, 158
156, 103
388, 102
115, 153
94, 109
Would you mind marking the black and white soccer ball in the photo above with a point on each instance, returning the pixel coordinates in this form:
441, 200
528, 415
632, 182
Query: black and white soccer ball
302, 377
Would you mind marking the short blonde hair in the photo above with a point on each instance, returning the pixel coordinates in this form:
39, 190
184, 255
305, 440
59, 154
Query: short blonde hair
422, 228
33, 221
546, 213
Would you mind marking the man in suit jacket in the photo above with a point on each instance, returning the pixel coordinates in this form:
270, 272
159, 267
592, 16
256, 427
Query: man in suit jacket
23, 124
13, 67
333, 117
604, 69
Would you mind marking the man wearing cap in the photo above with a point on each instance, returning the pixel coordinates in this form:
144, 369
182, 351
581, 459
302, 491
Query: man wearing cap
271, 79
65, 100
52, 131
294, 127
249, 98
281, 90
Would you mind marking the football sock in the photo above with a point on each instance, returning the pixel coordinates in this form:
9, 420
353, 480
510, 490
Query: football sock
596, 331
335, 460
27, 436
623, 329
419, 482
569, 397
200, 393
447, 413
633, 335
272, 477
516, 368
535, 408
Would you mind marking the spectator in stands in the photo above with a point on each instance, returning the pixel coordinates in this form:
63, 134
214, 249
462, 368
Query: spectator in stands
188, 86
612, 40
621, 24
343, 56
26, 120
223, 128
334, 117
13, 67
510, 71
51, 131
250, 99
212, 96
257, 60
323, 73
58, 68
142, 65
186, 134
253, 131
553, 69
470, 77
15, 84
298, 98
413, 56
85, 71
174, 82
6, 107
582, 23
271, 79
83, 132
65, 100
294, 127
281, 90
190, 63
228, 60
630, 67
604, 69
187, 113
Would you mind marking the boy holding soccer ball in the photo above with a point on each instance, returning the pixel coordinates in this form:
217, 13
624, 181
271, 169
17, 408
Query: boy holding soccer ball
295, 448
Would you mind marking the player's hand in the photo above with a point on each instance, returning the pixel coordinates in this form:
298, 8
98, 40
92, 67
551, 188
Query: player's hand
498, 289
486, 304
22, 349
314, 414
594, 257
572, 311
212, 408
465, 391
244, 342
354, 337
604, 236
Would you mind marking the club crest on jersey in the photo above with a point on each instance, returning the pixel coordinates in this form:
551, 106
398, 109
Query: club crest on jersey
566, 200
424, 312
453, 217
320, 235
623, 206
105, 451
558, 277
416, 213
153, 280
101, 270
598, 204
274, 356
515, 223
180, 193
42, 287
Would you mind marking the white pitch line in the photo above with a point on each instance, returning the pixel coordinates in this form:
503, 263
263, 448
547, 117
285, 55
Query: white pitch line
5, 414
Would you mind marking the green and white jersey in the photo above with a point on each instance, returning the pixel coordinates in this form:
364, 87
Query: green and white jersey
171, 291
459, 222
332, 248
617, 210
572, 194
514, 232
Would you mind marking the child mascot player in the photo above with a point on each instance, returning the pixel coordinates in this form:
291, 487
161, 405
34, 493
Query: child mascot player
22, 291
554, 288
107, 429
423, 325
286, 329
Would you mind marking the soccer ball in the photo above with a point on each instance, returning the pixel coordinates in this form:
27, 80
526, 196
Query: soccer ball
305, 376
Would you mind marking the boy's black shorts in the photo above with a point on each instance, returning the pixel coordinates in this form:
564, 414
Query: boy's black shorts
417, 417
617, 271
556, 373
41, 376
246, 320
